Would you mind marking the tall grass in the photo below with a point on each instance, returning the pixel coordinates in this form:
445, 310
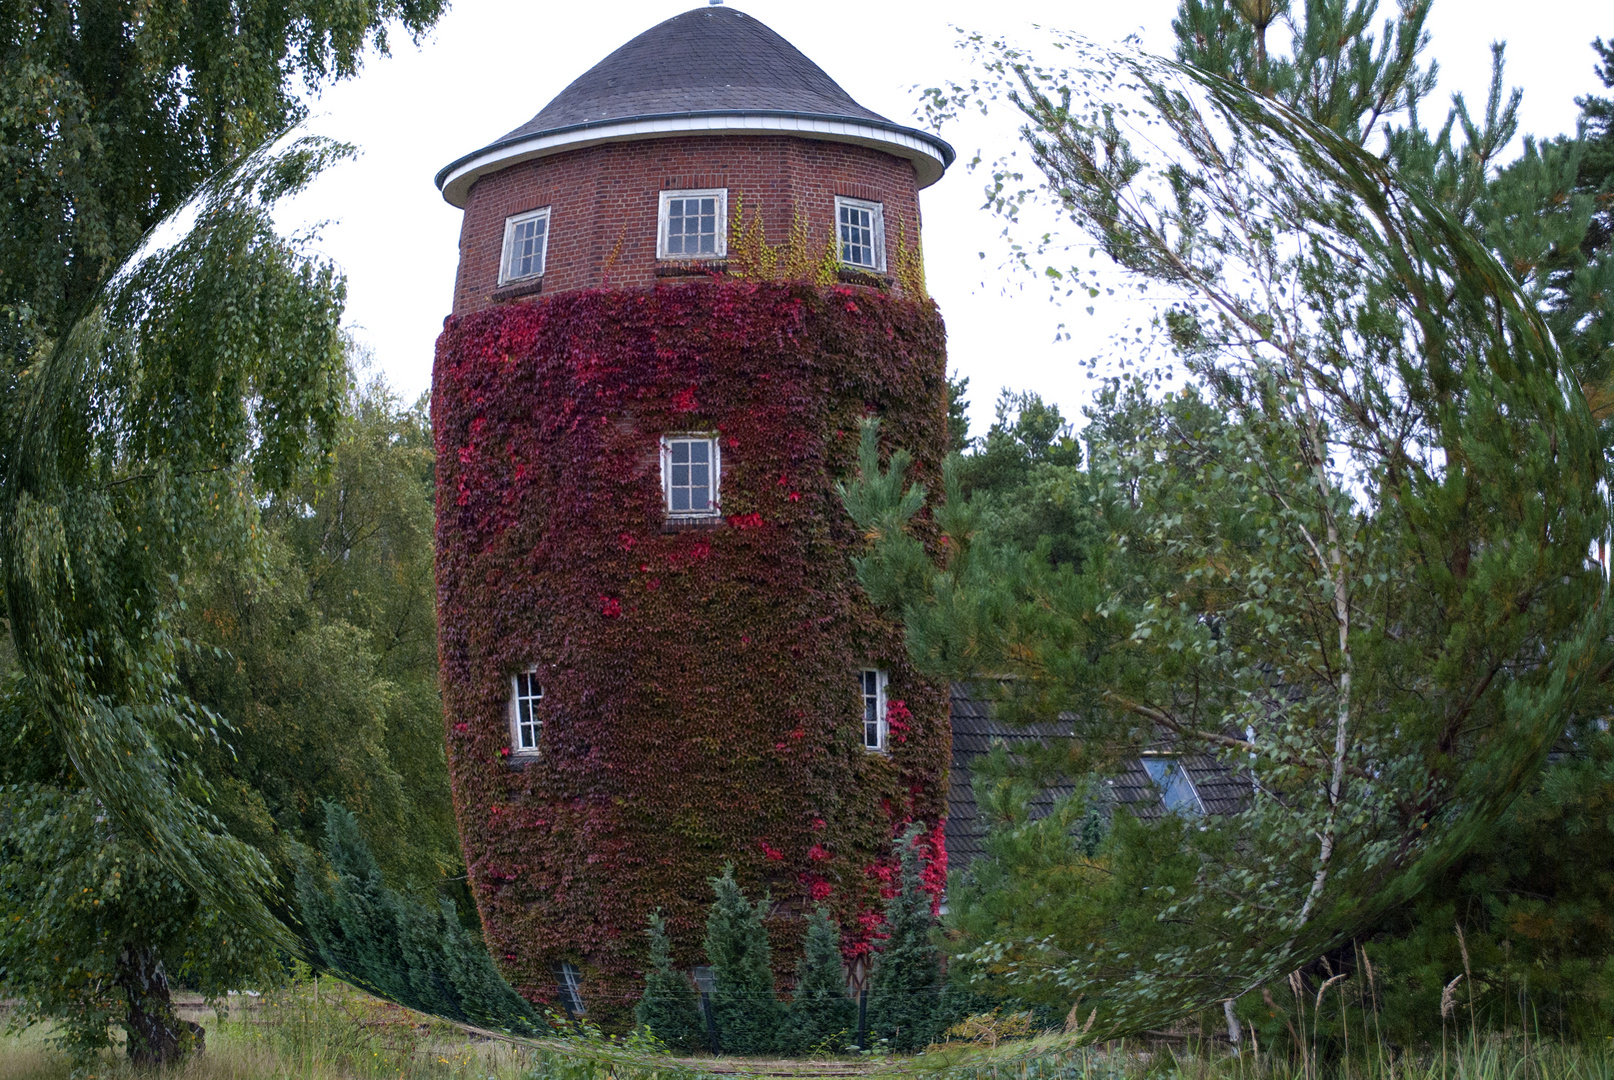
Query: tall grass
322, 1029
1484, 1058
325, 1030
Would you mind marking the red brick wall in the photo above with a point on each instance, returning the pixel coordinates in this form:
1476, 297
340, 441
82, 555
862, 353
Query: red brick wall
604, 199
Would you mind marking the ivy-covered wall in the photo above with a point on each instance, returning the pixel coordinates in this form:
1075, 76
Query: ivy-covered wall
701, 700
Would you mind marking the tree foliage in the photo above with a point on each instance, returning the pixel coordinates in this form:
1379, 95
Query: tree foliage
113, 114
326, 661
211, 370
668, 1006
1042, 880
155, 394
396, 947
905, 988
821, 1014
93, 927
747, 1014
1350, 559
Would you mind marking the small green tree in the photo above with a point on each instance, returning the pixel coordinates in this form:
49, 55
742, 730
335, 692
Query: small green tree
668, 1006
906, 986
744, 1009
820, 1009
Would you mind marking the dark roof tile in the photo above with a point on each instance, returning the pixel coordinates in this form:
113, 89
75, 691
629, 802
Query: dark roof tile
711, 59
1222, 790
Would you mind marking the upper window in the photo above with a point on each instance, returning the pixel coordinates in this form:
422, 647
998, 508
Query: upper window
874, 721
525, 724
1177, 792
861, 227
694, 224
526, 242
690, 470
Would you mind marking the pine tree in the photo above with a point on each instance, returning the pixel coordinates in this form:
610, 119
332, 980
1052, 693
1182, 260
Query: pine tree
821, 1009
906, 985
668, 1006
744, 1009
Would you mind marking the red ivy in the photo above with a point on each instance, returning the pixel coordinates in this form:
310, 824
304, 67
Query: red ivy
712, 714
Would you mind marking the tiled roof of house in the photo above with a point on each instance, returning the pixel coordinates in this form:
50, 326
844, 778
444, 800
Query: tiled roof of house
1221, 789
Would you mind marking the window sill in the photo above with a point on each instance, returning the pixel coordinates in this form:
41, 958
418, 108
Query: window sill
517, 289
691, 524
692, 267
874, 279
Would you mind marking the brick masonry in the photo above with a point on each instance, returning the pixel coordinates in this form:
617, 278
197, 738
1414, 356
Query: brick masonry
604, 201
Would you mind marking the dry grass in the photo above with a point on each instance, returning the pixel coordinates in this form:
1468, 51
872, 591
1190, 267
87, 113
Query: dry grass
337, 1033
334, 1033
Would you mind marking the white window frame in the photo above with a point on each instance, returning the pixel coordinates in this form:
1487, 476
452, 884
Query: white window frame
715, 508
876, 227
882, 726
510, 223
720, 241
537, 725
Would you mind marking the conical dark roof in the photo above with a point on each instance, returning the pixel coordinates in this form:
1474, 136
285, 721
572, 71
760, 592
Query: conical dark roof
712, 59
710, 69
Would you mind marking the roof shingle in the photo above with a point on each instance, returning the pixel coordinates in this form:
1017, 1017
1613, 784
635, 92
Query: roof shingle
711, 59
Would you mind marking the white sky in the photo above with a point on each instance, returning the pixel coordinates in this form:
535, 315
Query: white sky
491, 64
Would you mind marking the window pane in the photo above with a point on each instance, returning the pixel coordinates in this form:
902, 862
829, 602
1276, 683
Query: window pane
1177, 792
693, 225
691, 476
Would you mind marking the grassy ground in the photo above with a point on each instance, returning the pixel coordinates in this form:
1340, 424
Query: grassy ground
318, 1031
328, 1031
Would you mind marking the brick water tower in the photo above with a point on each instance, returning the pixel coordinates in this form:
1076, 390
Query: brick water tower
682, 285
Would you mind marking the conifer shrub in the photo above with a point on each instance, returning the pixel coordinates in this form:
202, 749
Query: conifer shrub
744, 1009
820, 1011
668, 1007
905, 989
396, 947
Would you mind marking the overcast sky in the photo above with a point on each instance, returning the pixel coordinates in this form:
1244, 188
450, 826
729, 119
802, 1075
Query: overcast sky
491, 64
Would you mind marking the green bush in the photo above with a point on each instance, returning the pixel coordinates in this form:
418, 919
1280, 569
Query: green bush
905, 990
820, 1011
747, 1015
396, 947
668, 1006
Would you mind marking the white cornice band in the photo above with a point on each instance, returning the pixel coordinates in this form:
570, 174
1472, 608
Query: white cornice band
928, 161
